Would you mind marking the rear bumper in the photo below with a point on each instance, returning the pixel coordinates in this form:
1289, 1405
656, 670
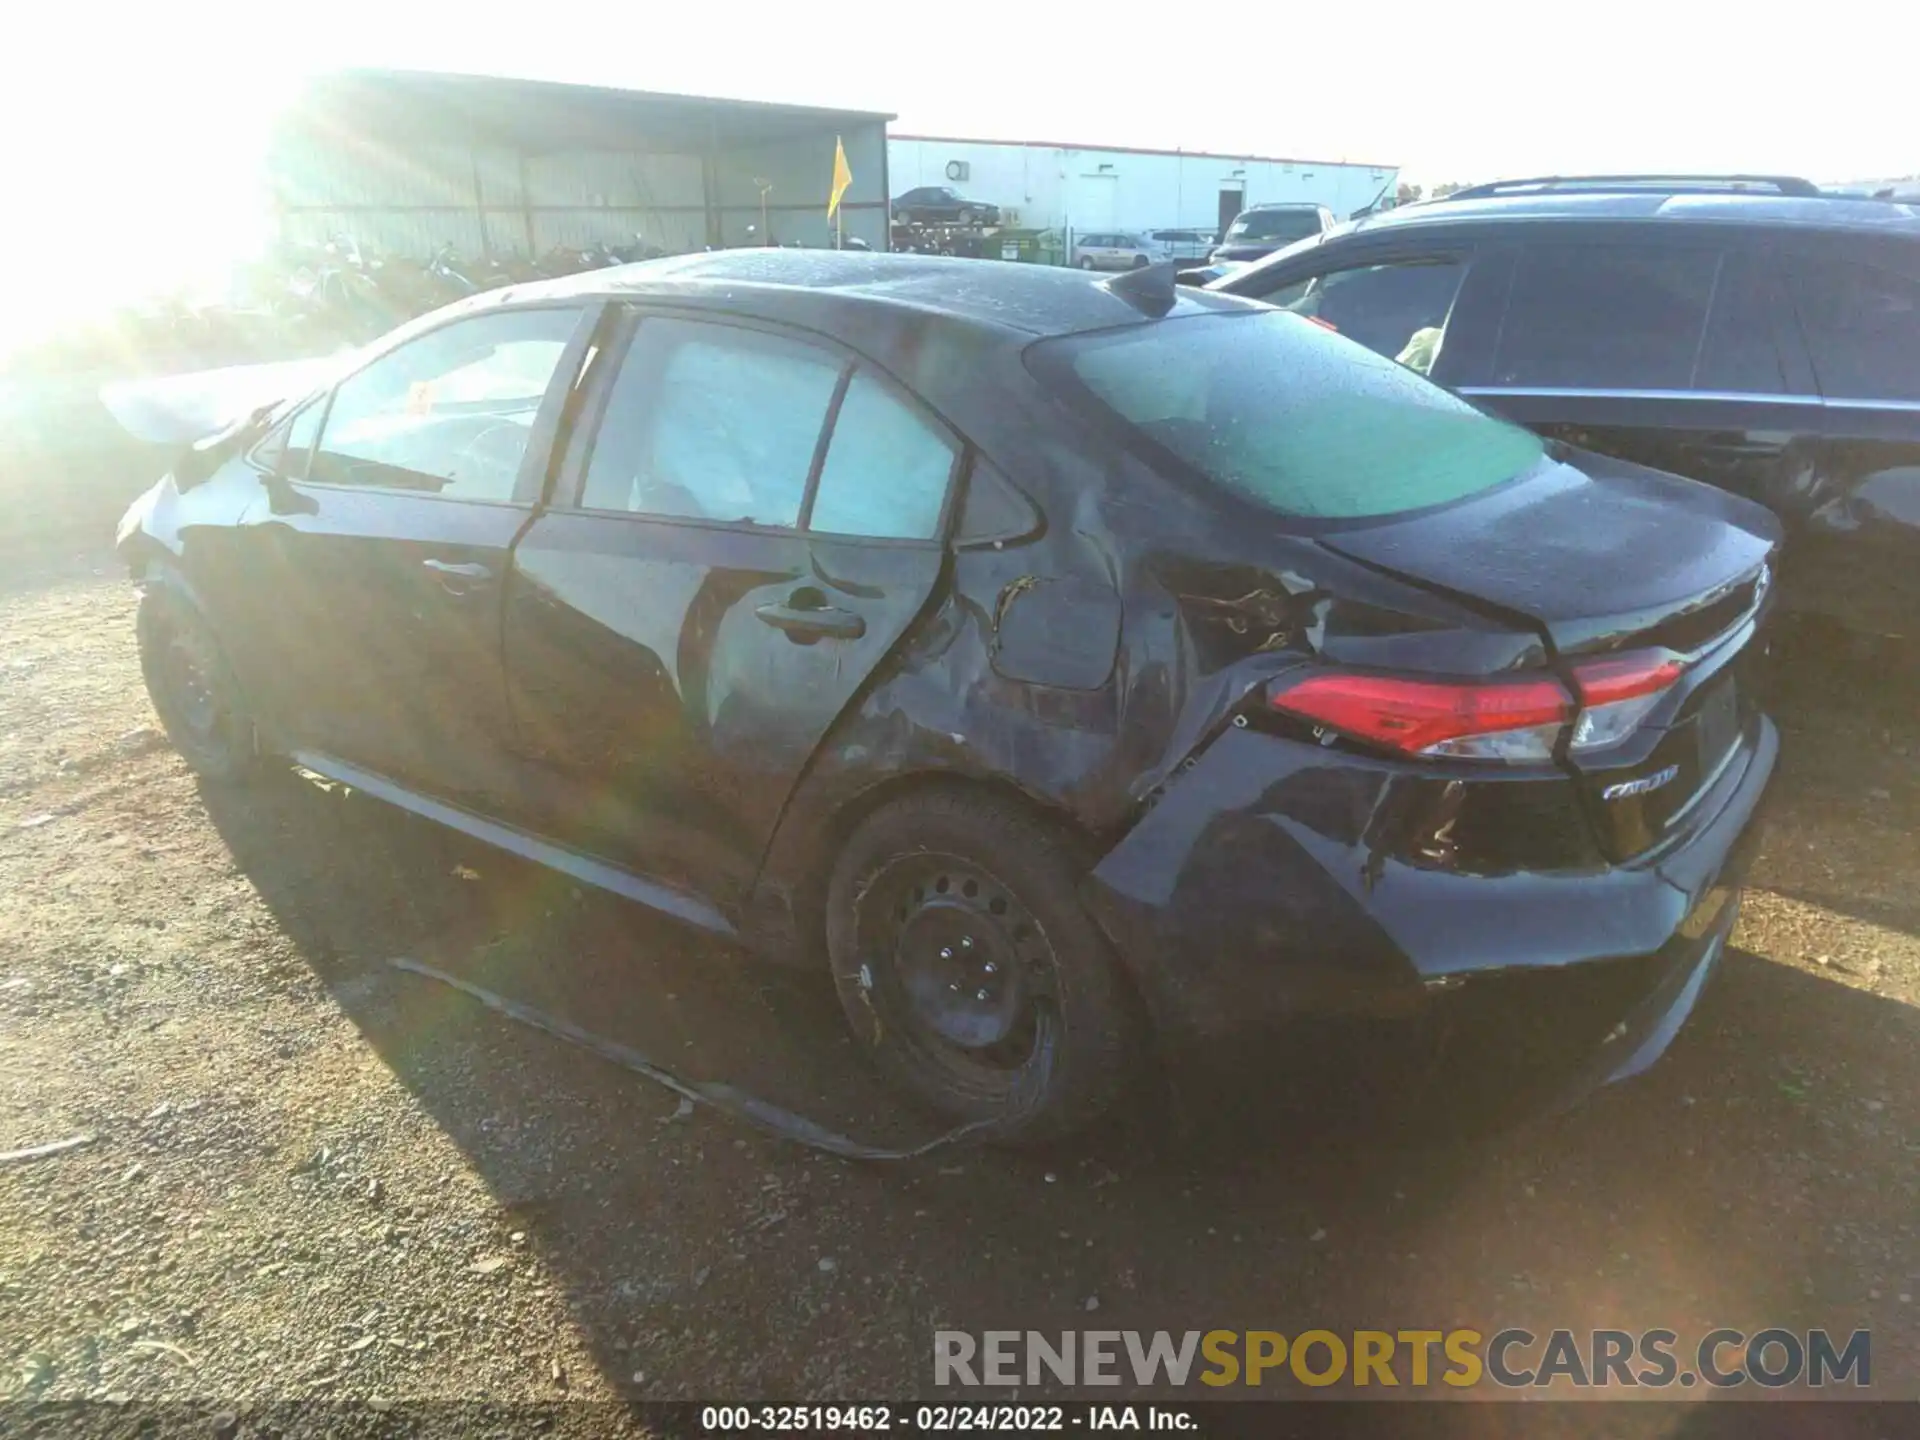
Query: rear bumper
1235, 910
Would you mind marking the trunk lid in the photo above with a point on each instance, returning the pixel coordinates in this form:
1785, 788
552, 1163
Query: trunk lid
1595, 552
1606, 557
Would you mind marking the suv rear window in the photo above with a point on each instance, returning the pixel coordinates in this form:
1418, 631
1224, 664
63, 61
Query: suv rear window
1863, 327
1275, 225
1286, 414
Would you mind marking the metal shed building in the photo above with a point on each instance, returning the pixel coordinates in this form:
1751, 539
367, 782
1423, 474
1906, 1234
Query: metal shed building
1048, 185
407, 161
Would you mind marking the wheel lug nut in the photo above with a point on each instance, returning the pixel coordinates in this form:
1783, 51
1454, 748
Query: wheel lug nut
980, 995
966, 942
953, 985
946, 952
991, 968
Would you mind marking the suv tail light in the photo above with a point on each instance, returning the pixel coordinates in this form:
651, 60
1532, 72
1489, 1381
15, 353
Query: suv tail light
1514, 719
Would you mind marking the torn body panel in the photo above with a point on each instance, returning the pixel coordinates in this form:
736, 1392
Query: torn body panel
1269, 883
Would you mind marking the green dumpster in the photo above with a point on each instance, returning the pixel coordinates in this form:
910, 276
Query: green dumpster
1031, 247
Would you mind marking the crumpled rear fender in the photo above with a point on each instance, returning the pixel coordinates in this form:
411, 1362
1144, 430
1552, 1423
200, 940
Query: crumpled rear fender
1263, 884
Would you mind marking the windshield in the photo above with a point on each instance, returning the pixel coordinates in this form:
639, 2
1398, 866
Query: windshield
1287, 414
1275, 225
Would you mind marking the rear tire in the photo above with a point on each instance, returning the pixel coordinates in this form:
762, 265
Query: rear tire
192, 687
1086, 262
968, 969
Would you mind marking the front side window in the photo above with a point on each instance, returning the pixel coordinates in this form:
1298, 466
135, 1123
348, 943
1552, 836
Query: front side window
450, 413
887, 468
285, 451
1398, 310
1863, 328
1587, 316
711, 422
1286, 414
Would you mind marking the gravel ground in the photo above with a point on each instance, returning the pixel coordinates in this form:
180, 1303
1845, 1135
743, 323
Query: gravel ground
314, 1176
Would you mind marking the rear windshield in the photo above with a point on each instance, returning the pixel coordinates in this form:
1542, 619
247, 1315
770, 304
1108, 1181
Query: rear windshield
1275, 225
1287, 414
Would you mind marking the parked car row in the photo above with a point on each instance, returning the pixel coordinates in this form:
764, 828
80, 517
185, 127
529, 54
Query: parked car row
1072, 667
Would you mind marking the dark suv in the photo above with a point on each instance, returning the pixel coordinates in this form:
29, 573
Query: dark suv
1754, 333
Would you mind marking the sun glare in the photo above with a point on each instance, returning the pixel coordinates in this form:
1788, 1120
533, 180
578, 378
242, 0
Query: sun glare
150, 193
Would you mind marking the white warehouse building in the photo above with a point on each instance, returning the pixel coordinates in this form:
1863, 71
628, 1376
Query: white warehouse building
1045, 186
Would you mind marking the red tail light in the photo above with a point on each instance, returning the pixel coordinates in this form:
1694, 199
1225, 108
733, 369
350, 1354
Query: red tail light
1625, 677
1616, 693
1515, 720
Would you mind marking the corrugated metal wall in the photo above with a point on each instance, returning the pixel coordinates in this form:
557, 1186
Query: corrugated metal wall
618, 196
412, 200
799, 176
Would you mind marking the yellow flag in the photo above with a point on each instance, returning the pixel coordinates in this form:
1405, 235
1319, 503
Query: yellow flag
842, 176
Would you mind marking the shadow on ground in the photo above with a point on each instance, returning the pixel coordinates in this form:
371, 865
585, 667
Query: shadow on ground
1742, 1183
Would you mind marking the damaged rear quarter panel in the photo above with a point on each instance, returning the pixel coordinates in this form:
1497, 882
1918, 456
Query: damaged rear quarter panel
1085, 666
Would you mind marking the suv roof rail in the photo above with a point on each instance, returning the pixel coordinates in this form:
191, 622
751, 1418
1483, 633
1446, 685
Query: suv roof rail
1705, 184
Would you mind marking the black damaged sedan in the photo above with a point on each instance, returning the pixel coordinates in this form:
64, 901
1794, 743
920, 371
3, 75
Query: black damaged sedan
1070, 666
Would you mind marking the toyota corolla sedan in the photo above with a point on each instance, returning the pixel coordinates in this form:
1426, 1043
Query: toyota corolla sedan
1070, 667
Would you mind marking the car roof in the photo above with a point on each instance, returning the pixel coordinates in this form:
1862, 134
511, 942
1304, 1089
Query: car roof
1285, 205
837, 291
1824, 212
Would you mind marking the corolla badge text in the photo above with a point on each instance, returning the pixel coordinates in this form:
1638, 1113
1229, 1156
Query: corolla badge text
1641, 786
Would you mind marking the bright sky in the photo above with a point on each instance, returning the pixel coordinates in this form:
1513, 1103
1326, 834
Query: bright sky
122, 130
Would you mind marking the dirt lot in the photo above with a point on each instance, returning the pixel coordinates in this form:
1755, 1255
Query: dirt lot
314, 1175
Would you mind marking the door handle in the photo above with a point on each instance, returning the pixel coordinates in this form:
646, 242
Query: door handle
459, 577
813, 624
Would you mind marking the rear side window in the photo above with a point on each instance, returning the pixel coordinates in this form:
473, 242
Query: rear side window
887, 469
1863, 329
1583, 316
1286, 414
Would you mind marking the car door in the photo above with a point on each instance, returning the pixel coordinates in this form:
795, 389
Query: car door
1669, 351
375, 560
745, 524
1856, 512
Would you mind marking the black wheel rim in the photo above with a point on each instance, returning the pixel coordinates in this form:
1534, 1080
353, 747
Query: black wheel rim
961, 967
189, 671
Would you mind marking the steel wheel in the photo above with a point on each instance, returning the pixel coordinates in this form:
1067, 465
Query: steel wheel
966, 965
191, 687
963, 964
